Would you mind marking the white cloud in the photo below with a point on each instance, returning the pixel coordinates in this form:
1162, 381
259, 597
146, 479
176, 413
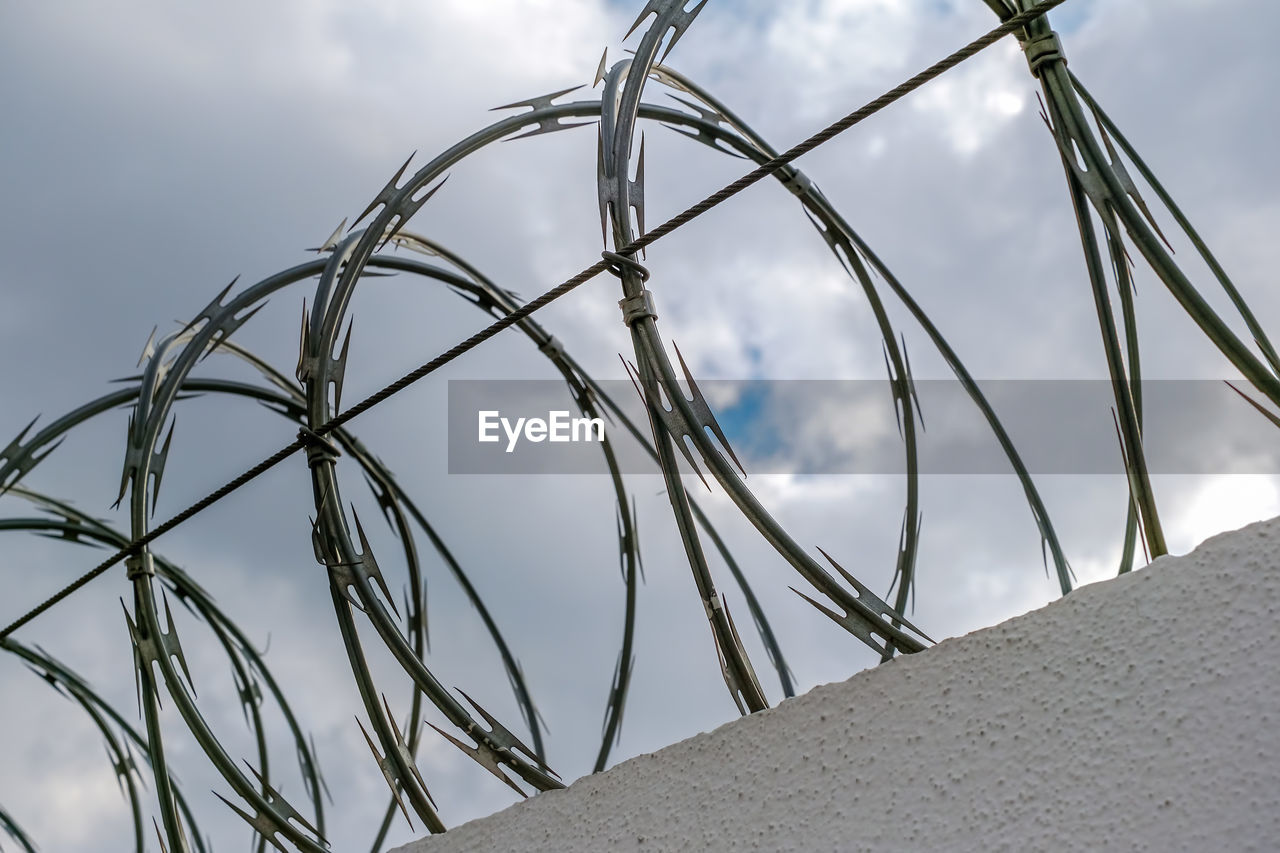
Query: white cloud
157, 152
974, 102
1217, 504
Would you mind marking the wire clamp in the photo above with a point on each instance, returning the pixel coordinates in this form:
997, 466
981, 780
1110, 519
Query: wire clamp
139, 565
552, 348
796, 181
1042, 50
636, 308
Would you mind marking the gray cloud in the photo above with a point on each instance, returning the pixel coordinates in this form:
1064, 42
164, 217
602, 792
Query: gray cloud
154, 153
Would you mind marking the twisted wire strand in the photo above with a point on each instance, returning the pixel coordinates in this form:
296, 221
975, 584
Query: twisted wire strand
762, 171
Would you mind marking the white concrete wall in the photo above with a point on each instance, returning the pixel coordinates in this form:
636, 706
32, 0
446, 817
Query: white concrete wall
1138, 714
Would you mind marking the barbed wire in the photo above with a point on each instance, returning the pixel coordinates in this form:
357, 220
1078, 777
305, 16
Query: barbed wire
686, 216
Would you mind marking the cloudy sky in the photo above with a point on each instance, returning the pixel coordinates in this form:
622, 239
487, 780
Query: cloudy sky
154, 151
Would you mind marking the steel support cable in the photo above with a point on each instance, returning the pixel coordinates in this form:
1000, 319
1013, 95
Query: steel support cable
823, 136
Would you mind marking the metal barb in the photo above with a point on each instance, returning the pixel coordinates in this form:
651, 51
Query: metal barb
369, 565
210, 311
679, 20
332, 239
483, 755
407, 209
500, 734
702, 411
388, 773
405, 754
599, 75
660, 423
283, 812
168, 640
384, 195
264, 824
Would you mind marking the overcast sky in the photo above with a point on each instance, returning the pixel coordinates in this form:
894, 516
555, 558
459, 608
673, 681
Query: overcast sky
152, 152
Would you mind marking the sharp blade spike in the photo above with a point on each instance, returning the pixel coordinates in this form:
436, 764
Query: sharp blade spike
484, 757
1266, 414
385, 194
637, 192
635, 527
332, 240
408, 209
602, 194
670, 14
181, 841
624, 543
369, 564
149, 348
682, 24
740, 690
211, 310
538, 101
899, 401
228, 328
383, 496
157, 465
121, 768
173, 645
871, 600
130, 467
340, 575
1126, 180
821, 608
303, 372
338, 369
658, 425
653, 7
704, 138
12, 447
282, 811
138, 661
316, 542
403, 748
36, 458
246, 695
159, 835
550, 125
599, 76
704, 410
395, 727
500, 730
702, 111
217, 300
260, 823
911, 381
735, 689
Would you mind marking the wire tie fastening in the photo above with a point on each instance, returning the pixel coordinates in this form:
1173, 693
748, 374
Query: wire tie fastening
618, 264
634, 308
319, 448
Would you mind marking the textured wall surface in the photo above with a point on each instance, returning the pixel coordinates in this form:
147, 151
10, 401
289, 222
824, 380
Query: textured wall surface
1138, 714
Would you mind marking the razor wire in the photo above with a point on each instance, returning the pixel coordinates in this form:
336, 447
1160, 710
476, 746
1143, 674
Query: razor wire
642, 241
1098, 183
